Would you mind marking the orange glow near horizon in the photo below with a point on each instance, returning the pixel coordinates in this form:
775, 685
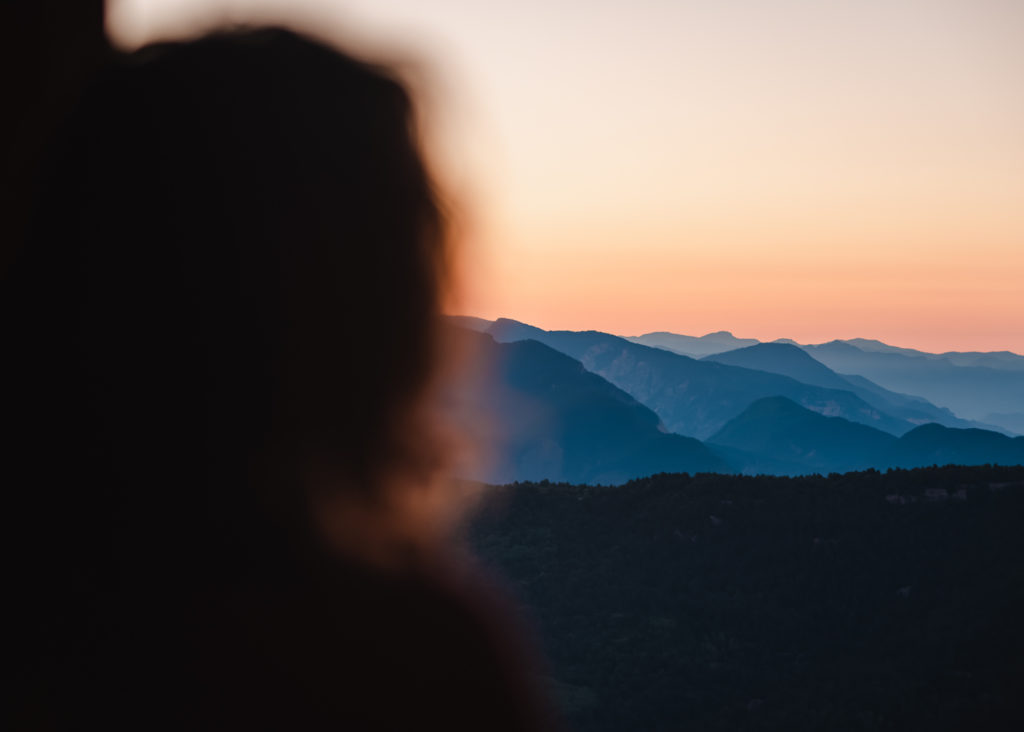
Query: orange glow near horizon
776, 168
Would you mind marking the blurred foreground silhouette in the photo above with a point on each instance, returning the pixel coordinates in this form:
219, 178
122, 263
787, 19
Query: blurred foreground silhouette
228, 492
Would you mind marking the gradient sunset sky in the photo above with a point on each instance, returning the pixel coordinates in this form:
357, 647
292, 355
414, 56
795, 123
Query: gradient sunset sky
777, 168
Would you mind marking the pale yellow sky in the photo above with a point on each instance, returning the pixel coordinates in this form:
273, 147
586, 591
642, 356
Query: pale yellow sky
772, 167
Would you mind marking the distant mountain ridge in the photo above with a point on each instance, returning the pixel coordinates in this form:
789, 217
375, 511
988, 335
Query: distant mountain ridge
778, 429
469, 322
723, 340
783, 358
984, 388
933, 444
776, 435
693, 346
557, 421
590, 407
972, 392
692, 397
793, 361
989, 359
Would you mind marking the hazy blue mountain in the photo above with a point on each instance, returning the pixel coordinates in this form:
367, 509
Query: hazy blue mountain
915, 409
992, 359
694, 346
745, 462
723, 341
776, 429
692, 397
962, 382
783, 358
560, 422
972, 392
469, 322
777, 436
1006, 360
933, 444
506, 330
1013, 421
791, 360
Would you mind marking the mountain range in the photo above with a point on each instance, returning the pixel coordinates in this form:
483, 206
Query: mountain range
777, 436
693, 397
793, 361
987, 387
972, 392
591, 407
555, 420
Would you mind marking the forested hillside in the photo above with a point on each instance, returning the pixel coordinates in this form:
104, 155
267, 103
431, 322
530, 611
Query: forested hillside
849, 602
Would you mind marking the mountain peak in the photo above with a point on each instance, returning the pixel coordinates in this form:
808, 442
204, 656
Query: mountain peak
782, 358
778, 429
505, 330
470, 322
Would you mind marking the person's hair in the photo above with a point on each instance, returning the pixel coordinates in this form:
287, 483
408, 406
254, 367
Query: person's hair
223, 356
241, 257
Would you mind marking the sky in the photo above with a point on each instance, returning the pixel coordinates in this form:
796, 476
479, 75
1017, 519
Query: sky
776, 168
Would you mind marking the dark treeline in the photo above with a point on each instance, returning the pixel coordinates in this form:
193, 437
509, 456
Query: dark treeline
713, 602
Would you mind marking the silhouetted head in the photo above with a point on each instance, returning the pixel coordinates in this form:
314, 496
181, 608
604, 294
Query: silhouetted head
237, 270
222, 359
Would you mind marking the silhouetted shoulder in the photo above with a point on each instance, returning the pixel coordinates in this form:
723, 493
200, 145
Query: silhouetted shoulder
371, 651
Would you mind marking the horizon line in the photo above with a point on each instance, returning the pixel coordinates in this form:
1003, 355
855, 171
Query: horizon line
733, 335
